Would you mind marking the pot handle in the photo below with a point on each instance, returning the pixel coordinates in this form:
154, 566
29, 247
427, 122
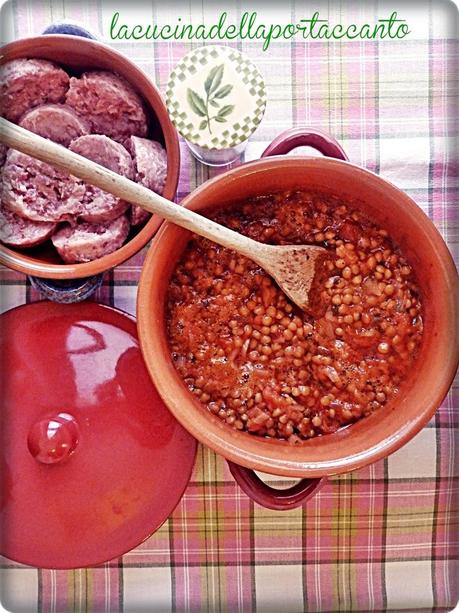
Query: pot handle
270, 497
305, 137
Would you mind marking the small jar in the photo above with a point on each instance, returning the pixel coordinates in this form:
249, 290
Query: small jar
216, 98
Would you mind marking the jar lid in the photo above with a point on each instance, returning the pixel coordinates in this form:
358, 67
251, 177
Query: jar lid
92, 461
216, 97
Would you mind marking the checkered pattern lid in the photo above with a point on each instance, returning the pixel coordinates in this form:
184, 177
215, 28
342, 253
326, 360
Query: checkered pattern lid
216, 97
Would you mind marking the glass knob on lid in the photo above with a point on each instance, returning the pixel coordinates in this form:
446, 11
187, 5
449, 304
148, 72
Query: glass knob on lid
54, 439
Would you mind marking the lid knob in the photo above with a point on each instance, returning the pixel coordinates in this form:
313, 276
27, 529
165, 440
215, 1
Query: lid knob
53, 439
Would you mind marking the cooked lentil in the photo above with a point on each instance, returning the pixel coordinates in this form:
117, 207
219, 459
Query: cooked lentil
263, 366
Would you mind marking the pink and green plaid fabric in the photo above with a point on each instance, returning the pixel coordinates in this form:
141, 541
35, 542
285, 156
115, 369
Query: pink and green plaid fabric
384, 538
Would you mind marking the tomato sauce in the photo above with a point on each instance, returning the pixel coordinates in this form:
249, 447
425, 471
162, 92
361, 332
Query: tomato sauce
252, 358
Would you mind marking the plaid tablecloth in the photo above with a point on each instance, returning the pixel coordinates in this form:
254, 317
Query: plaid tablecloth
384, 537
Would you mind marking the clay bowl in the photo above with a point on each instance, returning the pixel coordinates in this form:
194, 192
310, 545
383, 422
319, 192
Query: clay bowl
371, 438
77, 54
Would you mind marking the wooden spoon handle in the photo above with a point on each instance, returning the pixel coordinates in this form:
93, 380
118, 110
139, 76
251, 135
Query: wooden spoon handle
45, 150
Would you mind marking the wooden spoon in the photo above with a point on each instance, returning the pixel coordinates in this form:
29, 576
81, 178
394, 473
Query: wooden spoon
292, 266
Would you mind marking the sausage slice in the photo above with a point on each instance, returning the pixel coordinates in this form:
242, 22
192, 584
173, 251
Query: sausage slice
98, 205
25, 84
85, 242
150, 163
38, 191
109, 104
57, 122
18, 232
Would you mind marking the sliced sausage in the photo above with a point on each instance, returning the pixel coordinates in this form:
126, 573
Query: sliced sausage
109, 104
99, 205
58, 122
38, 191
25, 84
150, 162
18, 232
85, 242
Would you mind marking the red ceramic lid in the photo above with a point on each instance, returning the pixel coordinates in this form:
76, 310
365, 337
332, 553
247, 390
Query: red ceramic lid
91, 460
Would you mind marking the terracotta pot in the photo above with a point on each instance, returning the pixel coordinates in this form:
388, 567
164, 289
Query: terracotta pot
77, 54
371, 438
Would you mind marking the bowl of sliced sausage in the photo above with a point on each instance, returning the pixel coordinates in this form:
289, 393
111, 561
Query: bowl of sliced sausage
89, 98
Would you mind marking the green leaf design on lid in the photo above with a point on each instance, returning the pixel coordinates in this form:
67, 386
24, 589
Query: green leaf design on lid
224, 91
196, 103
213, 93
226, 110
214, 79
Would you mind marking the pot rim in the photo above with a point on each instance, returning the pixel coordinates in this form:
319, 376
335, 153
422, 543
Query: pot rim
228, 442
23, 261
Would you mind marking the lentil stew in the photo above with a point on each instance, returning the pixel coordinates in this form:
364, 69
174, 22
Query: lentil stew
265, 367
